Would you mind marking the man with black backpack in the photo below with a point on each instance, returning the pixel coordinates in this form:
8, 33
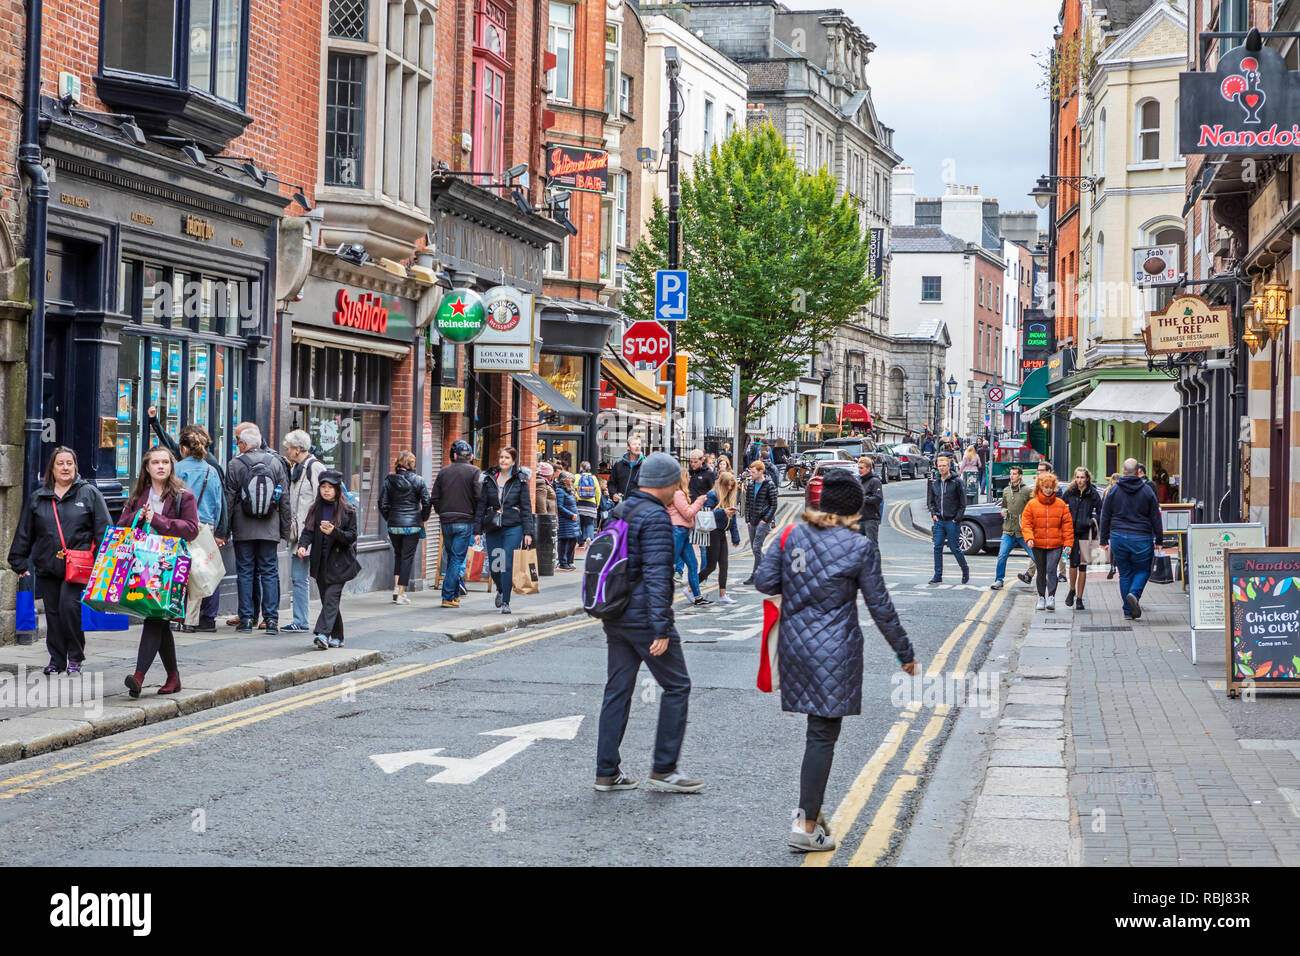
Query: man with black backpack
635, 599
257, 485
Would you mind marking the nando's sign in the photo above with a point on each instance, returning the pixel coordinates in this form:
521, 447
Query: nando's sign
586, 170
1250, 104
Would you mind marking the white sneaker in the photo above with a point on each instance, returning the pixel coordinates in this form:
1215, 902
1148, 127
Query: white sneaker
726, 599
817, 841
1051, 603
402, 599
1040, 605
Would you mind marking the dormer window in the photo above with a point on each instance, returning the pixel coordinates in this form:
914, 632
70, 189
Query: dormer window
179, 66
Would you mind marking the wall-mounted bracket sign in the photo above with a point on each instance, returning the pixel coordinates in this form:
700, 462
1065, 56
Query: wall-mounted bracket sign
1189, 324
569, 167
1250, 104
460, 316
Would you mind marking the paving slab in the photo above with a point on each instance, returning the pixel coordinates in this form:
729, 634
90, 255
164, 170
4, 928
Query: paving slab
1036, 757
1025, 782
1023, 808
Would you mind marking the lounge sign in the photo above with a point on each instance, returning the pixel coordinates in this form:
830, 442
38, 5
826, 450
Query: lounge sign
1189, 324
586, 170
1250, 104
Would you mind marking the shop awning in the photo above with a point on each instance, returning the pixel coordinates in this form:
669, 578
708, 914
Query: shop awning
1008, 399
570, 414
1141, 401
631, 385
1054, 400
353, 343
854, 412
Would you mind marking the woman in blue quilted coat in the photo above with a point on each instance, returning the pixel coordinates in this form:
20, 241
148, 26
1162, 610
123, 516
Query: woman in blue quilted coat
819, 570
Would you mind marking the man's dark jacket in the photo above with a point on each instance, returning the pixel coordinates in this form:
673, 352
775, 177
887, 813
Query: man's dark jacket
456, 492
625, 476
1131, 507
649, 613
873, 496
701, 480
946, 497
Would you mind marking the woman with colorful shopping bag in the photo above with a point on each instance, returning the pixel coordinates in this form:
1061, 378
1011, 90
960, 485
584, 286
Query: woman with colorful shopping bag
166, 508
58, 531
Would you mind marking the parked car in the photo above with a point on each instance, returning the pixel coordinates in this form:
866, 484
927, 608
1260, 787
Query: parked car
981, 529
887, 466
913, 462
812, 495
815, 456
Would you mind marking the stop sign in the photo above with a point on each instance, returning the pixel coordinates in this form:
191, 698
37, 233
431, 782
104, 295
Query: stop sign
647, 342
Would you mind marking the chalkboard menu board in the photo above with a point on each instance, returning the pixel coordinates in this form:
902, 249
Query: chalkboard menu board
1262, 586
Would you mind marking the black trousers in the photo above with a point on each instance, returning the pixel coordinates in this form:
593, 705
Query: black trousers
156, 639
404, 548
330, 620
717, 557
1045, 560
871, 528
818, 752
567, 547
64, 638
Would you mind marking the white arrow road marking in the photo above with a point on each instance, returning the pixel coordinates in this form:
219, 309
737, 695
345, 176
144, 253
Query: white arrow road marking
728, 635
468, 769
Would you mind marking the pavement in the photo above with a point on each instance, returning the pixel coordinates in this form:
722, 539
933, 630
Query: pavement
1111, 748
39, 714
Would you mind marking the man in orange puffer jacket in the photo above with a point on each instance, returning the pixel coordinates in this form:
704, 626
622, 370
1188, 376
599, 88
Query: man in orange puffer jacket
1048, 528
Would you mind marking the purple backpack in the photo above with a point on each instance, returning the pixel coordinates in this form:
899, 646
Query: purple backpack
606, 585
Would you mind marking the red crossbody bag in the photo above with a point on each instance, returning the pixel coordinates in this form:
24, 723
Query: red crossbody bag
76, 564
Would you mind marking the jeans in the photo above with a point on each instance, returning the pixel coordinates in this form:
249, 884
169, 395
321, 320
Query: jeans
300, 569
945, 530
64, 638
871, 528
567, 547
258, 571
1132, 554
588, 528
1046, 560
330, 621
757, 535
156, 639
501, 548
624, 657
456, 538
684, 552
1009, 541
818, 752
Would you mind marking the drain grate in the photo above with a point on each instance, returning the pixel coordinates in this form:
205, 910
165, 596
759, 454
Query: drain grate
1103, 629
1124, 783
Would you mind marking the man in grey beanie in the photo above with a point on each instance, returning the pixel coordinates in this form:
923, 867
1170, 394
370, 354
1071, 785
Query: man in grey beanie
645, 632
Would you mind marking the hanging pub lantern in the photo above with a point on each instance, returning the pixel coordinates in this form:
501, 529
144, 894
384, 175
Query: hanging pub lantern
1251, 335
1276, 297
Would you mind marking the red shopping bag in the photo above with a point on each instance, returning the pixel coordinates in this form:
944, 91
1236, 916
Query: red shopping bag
769, 675
476, 563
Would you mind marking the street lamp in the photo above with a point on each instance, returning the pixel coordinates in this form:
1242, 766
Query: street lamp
1045, 188
952, 392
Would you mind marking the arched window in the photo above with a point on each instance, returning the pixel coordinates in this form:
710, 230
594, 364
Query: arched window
1167, 236
1148, 131
1098, 297
896, 385
1099, 149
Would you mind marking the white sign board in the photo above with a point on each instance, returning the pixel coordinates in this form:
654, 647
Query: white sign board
503, 358
1155, 264
509, 317
1205, 546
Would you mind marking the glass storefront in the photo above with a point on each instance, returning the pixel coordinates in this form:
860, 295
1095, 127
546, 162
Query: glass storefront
340, 398
180, 354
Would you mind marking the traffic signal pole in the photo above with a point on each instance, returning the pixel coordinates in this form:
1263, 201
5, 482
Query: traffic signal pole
672, 64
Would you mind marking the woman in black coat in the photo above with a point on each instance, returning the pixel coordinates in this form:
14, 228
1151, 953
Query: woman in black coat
819, 569
38, 549
1084, 501
329, 535
505, 519
404, 502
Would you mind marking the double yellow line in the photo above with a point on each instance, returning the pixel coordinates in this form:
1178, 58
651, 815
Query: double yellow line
126, 753
875, 843
896, 522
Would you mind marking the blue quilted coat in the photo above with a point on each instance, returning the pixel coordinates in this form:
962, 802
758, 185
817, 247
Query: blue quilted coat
820, 650
567, 508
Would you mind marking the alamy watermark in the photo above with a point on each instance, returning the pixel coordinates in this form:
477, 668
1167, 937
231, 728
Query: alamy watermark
979, 691
32, 689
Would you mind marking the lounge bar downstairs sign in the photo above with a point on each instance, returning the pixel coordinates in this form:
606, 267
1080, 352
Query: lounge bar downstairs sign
1250, 104
1189, 324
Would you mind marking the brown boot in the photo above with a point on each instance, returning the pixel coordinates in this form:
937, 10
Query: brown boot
135, 683
173, 683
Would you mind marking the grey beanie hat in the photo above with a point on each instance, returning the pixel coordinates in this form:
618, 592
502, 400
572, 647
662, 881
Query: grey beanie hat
659, 471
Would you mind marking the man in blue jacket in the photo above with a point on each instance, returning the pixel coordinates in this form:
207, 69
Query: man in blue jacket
646, 632
1131, 527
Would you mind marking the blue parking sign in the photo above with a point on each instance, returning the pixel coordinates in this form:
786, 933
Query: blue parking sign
670, 295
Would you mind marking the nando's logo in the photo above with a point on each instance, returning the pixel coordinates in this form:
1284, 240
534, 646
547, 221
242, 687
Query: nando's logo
1243, 88
1249, 104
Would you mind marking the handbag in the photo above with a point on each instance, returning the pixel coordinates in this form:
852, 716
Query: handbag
526, 579
769, 673
705, 520
25, 606
207, 568
76, 564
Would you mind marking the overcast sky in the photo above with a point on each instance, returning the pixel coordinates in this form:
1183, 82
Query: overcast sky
958, 82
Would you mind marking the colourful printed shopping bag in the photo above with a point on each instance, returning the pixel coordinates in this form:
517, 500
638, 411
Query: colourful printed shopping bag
139, 573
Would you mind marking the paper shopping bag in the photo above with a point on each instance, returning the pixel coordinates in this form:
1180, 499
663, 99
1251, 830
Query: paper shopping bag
477, 563
526, 578
769, 675
207, 567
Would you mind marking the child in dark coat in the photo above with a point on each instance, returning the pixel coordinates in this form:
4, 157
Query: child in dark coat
329, 536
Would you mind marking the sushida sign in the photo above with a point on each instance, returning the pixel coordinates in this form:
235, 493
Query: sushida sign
1250, 104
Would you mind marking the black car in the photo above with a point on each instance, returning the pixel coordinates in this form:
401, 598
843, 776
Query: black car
981, 529
912, 462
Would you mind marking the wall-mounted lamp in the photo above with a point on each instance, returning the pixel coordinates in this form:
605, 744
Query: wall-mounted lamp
1276, 303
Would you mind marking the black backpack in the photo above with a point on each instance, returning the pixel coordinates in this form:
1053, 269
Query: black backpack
260, 491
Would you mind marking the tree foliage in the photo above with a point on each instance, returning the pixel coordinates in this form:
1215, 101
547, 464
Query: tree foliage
776, 263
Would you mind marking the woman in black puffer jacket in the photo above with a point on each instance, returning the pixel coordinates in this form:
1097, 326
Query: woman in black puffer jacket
505, 519
819, 572
404, 502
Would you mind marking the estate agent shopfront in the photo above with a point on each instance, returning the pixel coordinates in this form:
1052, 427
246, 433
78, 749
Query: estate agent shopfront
159, 291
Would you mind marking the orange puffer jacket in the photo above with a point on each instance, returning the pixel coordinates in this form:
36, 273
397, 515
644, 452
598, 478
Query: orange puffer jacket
1046, 521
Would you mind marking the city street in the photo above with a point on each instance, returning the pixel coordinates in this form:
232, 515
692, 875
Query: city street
314, 775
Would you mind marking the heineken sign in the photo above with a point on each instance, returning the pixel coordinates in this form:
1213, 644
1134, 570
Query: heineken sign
1250, 104
461, 316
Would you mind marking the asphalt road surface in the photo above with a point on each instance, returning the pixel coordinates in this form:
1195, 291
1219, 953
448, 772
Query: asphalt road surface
484, 753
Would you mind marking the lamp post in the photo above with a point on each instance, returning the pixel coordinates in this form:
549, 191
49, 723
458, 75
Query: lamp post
673, 67
952, 393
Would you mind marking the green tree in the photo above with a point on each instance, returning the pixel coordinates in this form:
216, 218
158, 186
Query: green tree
776, 262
